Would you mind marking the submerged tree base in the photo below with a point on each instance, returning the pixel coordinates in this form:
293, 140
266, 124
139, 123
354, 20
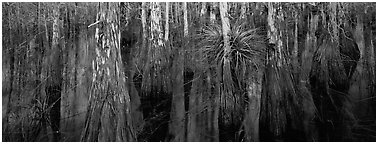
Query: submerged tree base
188, 71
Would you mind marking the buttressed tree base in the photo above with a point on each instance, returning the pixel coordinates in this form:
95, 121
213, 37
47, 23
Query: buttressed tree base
188, 72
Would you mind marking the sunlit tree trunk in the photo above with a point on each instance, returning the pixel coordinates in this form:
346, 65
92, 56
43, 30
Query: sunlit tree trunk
203, 11
177, 5
275, 113
166, 36
156, 30
186, 31
155, 52
274, 34
108, 116
334, 22
227, 100
243, 10
144, 50
212, 12
144, 23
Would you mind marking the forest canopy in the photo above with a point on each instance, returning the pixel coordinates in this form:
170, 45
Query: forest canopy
188, 71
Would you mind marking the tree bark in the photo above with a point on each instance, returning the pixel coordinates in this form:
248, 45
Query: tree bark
108, 117
155, 52
227, 100
5, 122
203, 10
274, 34
334, 22
177, 127
295, 47
310, 47
144, 23
276, 113
243, 11
359, 83
254, 92
143, 55
186, 31
304, 75
252, 119
177, 5
212, 12
166, 36
156, 30
54, 79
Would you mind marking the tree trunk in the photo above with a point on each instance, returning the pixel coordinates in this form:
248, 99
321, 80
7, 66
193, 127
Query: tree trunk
144, 23
193, 130
304, 75
310, 47
203, 11
227, 98
108, 117
252, 118
156, 32
177, 5
359, 83
186, 31
243, 11
276, 111
54, 80
166, 36
190, 122
144, 49
5, 120
295, 47
75, 86
212, 12
177, 127
274, 35
334, 23
155, 52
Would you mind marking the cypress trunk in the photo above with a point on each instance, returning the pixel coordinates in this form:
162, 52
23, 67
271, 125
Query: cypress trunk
108, 116
178, 124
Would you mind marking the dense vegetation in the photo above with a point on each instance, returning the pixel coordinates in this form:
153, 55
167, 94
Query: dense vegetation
188, 71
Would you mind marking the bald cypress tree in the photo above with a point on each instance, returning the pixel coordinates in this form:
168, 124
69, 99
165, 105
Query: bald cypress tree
108, 116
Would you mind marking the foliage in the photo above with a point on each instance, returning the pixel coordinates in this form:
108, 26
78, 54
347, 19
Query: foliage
326, 105
247, 56
247, 48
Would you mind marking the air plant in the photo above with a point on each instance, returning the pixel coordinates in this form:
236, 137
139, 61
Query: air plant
247, 48
247, 55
